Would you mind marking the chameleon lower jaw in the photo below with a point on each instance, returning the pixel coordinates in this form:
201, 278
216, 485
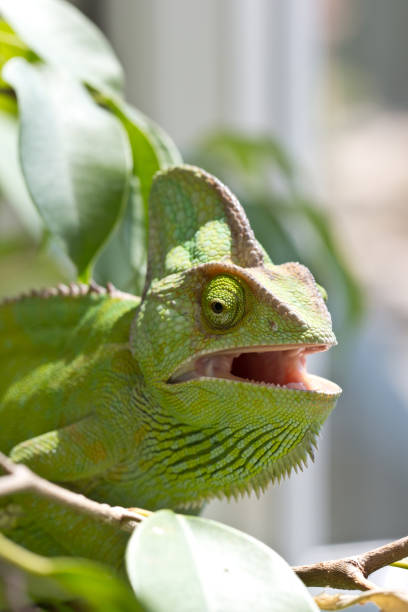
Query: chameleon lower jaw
282, 367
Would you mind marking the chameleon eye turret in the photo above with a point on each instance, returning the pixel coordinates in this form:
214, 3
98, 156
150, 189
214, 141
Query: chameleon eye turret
223, 302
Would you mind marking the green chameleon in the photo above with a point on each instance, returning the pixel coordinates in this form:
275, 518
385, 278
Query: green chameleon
197, 389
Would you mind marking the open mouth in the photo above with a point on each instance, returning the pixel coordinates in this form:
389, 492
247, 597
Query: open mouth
273, 366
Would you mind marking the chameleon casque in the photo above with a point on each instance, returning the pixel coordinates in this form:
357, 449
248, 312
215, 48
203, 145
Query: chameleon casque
197, 389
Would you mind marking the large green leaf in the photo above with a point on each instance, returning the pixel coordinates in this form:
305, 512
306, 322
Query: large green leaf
75, 158
60, 578
12, 185
184, 563
63, 37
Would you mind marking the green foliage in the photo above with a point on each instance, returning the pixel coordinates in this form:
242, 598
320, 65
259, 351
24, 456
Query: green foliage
11, 179
74, 156
185, 563
11, 46
55, 580
85, 158
124, 259
174, 562
61, 36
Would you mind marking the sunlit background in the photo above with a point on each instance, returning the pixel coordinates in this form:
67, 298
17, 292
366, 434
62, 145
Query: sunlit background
302, 107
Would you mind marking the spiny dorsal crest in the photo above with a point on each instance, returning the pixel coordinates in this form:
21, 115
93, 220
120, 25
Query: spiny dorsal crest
195, 219
72, 290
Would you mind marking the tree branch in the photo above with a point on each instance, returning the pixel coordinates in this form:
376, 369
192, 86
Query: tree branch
337, 574
352, 572
347, 573
21, 478
384, 555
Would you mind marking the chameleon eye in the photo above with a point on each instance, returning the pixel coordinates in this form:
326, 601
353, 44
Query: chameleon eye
217, 307
223, 302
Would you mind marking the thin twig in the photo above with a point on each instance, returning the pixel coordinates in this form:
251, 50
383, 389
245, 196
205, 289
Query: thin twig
352, 572
21, 478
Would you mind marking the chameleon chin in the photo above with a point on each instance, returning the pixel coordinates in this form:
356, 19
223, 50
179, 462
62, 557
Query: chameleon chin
197, 389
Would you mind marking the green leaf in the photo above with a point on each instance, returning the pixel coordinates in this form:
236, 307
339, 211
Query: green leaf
12, 184
93, 583
59, 34
75, 159
152, 149
123, 260
333, 255
11, 46
252, 154
402, 563
185, 563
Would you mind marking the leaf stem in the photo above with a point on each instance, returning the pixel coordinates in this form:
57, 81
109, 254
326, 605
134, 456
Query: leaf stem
402, 564
24, 559
85, 276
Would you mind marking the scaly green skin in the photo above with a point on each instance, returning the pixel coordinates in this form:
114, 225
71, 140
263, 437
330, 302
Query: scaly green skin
94, 385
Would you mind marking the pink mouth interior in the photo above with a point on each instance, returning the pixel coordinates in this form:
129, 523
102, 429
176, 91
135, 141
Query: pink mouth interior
284, 368
280, 368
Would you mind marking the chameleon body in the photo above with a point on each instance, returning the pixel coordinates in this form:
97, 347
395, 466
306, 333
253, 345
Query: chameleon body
197, 389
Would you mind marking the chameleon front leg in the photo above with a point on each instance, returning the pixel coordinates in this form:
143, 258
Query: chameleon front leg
80, 450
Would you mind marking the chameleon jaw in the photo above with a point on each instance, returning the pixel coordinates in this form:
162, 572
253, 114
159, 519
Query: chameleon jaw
278, 367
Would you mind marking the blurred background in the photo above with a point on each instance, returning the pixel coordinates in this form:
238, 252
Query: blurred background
302, 108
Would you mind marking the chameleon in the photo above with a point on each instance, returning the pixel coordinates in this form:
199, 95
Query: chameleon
197, 389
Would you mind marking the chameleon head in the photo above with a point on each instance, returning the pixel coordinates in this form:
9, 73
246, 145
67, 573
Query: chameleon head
222, 337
